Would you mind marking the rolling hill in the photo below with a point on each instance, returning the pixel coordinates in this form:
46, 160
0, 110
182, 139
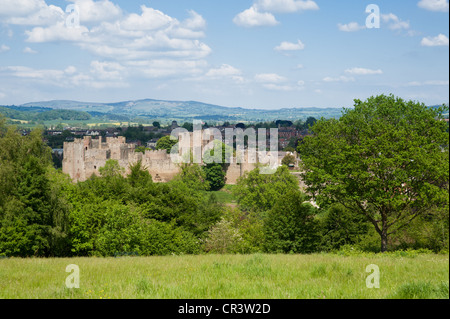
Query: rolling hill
186, 110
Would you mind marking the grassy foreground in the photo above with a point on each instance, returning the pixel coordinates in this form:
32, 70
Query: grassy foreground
228, 277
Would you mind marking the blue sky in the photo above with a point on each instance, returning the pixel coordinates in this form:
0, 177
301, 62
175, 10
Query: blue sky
266, 54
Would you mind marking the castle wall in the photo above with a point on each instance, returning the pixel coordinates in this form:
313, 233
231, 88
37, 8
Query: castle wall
84, 157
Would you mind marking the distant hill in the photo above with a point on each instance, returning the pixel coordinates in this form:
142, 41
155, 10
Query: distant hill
186, 110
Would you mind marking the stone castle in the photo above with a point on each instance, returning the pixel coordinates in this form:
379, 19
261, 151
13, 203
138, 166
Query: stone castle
84, 157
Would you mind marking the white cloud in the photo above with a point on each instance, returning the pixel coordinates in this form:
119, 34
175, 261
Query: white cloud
224, 70
269, 78
395, 23
350, 27
440, 40
57, 32
164, 68
107, 70
299, 66
149, 35
277, 87
70, 70
30, 12
288, 46
253, 18
4, 48
341, 78
363, 71
195, 21
29, 50
285, 6
150, 19
20, 8
434, 5
67, 78
261, 12
97, 11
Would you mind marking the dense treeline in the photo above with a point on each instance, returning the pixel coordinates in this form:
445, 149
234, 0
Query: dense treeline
42, 213
38, 114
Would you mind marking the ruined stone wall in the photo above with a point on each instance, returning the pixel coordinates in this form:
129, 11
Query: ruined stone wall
84, 157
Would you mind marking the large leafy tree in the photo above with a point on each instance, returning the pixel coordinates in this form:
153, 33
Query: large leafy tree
32, 210
259, 192
291, 225
386, 159
216, 166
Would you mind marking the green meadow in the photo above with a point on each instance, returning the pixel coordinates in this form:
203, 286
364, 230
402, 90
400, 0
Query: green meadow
317, 276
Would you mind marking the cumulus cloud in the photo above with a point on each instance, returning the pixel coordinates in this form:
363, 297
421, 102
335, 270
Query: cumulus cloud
149, 44
350, 27
150, 19
341, 78
269, 78
97, 11
195, 21
29, 50
363, 71
285, 6
224, 70
30, 12
394, 22
440, 40
66, 78
288, 46
434, 5
151, 34
4, 48
261, 12
253, 18
57, 32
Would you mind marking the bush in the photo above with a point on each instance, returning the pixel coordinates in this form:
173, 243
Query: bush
341, 227
223, 238
291, 226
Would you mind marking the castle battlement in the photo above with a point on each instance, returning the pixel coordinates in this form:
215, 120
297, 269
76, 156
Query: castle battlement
84, 157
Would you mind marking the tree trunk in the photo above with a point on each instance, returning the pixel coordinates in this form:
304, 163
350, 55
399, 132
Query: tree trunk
384, 241
384, 232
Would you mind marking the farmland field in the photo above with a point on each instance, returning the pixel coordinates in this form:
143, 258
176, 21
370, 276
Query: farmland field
318, 276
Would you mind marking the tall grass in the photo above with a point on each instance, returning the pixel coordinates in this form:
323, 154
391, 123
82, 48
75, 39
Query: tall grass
228, 277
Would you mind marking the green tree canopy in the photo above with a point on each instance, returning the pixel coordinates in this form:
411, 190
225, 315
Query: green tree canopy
259, 192
291, 226
166, 143
386, 159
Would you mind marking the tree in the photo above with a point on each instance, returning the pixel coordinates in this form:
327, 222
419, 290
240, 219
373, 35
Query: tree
259, 192
342, 227
166, 143
216, 166
111, 169
32, 210
288, 159
223, 238
139, 176
194, 176
291, 226
215, 176
156, 124
386, 159
188, 126
310, 121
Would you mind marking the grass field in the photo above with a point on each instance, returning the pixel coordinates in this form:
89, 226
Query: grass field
228, 277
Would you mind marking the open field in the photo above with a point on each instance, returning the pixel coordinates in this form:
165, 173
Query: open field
228, 277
